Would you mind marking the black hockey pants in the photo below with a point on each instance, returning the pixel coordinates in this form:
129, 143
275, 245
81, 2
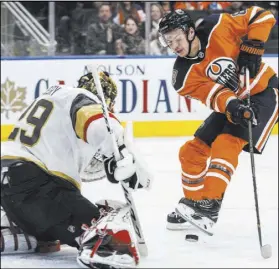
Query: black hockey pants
43, 205
265, 105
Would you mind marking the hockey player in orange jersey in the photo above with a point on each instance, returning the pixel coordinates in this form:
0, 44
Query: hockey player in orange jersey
210, 67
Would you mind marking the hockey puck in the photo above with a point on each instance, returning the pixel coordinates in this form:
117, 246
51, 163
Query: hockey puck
191, 237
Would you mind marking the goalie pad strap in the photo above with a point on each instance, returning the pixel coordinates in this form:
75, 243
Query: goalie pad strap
2, 242
27, 241
14, 233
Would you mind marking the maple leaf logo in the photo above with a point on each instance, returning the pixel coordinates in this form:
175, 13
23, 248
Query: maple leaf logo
12, 99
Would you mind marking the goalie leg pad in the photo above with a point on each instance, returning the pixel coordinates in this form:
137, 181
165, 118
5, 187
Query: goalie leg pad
13, 239
15, 243
109, 242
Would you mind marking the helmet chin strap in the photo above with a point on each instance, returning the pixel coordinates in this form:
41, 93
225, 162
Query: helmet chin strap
190, 44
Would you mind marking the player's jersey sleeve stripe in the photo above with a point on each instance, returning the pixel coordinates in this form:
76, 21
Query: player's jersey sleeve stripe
214, 103
79, 101
220, 102
260, 25
91, 119
83, 115
267, 17
253, 12
256, 15
213, 90
223, 100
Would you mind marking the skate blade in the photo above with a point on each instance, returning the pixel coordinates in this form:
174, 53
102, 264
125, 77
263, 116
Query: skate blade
186, 213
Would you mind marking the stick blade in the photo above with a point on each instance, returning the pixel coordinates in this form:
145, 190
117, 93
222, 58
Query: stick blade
266, 251
143, 250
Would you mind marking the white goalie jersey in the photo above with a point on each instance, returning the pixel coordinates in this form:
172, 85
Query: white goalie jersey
61, 131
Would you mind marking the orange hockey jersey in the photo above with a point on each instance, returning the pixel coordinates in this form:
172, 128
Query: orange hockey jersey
207, 76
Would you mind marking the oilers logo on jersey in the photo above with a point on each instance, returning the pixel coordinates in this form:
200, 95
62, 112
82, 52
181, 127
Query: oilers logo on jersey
213, 79
223, 70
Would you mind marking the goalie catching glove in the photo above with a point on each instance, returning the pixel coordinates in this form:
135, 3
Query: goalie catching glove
130, 169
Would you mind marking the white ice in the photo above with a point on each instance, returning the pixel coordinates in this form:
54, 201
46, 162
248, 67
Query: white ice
235, 242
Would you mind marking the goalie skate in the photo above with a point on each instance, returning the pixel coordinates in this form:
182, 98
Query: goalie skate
207, 210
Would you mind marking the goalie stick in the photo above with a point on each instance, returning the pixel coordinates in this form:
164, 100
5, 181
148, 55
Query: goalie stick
128, 195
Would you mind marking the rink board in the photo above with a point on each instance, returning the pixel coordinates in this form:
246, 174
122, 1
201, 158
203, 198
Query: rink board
151, 129
145, 92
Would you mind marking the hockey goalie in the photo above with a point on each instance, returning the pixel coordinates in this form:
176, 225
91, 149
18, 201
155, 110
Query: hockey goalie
41, 163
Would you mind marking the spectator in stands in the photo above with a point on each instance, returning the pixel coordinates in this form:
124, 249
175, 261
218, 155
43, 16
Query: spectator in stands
167, 7
186, 5
235, 7
78, 33
81, 18
156, 14
131, 43
63, 36
128, 9
102, 35
214, 5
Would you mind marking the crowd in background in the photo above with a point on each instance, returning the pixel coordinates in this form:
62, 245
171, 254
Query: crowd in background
118, 28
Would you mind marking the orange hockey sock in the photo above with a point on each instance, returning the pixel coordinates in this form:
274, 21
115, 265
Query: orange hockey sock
193, 156
224, 160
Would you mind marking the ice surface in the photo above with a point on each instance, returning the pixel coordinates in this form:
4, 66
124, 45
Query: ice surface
235, 242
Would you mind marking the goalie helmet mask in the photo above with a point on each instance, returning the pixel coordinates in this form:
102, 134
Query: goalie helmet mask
108, 85
178, 19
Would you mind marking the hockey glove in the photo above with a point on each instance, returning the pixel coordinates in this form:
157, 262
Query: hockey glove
122, 170
250, 56
238, 113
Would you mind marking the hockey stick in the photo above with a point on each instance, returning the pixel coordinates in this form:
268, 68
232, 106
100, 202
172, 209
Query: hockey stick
266, 250
128, 195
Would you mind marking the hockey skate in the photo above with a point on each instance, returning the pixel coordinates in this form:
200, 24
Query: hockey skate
208, 211
175, 222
